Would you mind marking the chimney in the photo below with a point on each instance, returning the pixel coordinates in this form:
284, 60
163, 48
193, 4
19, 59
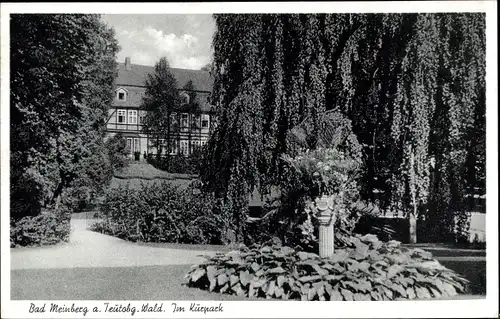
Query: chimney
128, 65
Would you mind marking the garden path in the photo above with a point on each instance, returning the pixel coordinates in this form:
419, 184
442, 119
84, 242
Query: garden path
88, 249
94, 266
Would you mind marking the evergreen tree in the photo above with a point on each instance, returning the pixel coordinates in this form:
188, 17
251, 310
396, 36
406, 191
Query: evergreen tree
160, 101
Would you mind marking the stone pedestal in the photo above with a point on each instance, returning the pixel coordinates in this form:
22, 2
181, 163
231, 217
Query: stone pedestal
326, 219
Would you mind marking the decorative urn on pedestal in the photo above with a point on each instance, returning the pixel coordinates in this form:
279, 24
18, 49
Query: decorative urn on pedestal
326, 218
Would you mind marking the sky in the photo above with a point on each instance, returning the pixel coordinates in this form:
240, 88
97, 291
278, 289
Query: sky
185, 39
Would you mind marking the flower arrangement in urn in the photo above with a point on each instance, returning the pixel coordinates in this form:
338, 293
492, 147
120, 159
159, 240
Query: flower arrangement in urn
326, 177
324, 171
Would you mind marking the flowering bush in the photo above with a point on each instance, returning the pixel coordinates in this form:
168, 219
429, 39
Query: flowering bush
323, 171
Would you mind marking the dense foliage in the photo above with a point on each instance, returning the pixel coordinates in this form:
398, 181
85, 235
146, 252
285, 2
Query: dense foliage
163, 123
191, 164
162, 212
62, 72
118, 151
412, 84
160, 99
311, 174
43, 229
368, 270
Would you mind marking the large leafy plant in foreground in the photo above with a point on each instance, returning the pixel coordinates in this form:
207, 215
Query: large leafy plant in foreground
367, 270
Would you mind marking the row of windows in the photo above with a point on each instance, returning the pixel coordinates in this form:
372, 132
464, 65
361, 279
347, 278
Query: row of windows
121, 95
134, 145
130, 117
182, 146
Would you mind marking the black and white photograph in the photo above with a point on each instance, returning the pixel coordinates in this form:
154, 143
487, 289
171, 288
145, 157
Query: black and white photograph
204, 160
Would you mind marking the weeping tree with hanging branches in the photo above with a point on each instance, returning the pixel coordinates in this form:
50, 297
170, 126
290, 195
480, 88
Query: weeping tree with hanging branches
412, 86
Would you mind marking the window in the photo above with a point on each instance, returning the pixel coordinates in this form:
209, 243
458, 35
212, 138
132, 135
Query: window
129, 145
195, 145
133, 145
184, 98
121, 116
184, 120
159, 144
205, 121
142, 118
195, 121
173, 147
184, 147
121, 94
173, 118
203, 143
132, 117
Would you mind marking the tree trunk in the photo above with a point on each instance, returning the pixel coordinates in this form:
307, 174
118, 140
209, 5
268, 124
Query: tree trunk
169, 144
158, 150
413, 226
413, 214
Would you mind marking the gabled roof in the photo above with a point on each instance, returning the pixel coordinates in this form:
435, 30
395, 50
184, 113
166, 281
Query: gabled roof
136, 93
136, 76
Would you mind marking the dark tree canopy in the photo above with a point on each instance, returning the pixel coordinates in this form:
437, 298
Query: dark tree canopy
412, 84
62, 72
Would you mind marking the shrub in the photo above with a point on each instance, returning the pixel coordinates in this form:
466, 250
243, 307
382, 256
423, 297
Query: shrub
118, 150
44, 229
162, 213
367, 270
179, 163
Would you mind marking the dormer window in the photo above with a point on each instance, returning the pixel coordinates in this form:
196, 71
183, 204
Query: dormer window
121, 94
184, 98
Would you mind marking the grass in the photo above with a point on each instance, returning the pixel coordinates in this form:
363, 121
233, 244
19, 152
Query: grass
116, 283
137, 174
472, 270
109, 283
135, 183
148, 172
221, 248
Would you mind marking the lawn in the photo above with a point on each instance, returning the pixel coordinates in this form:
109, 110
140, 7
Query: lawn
148, 171
135, 183
117, 283
109, 283
136, 174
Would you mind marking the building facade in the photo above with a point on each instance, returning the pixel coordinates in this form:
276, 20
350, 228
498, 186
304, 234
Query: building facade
126, 117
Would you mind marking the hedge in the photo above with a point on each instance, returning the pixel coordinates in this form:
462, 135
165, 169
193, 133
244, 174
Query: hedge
45, 229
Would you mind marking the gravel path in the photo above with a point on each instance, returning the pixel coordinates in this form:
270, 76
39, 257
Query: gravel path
88, 249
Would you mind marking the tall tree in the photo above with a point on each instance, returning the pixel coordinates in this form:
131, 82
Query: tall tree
400, 78
160, 100
412, 117
62, 72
